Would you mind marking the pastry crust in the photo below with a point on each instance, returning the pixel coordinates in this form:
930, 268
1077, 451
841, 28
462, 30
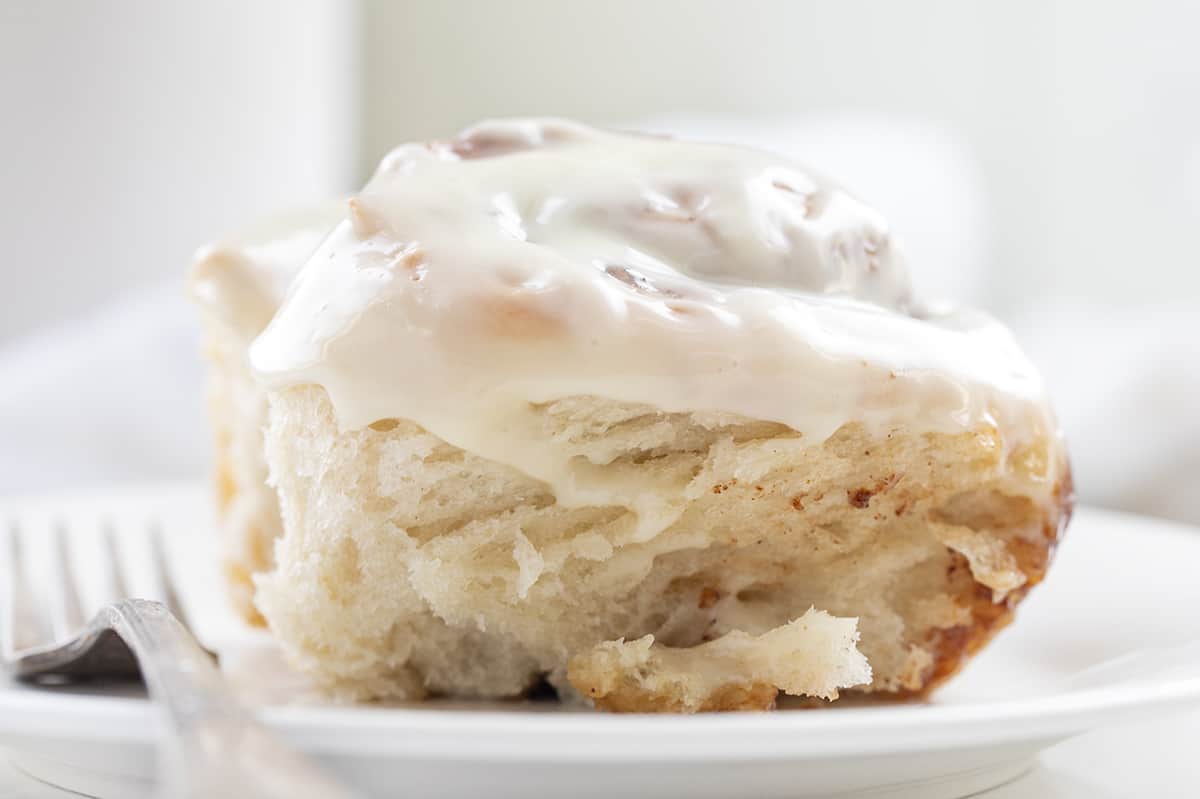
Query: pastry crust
238, 287
247, 509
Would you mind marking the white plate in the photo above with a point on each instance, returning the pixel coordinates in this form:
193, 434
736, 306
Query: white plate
1083, 653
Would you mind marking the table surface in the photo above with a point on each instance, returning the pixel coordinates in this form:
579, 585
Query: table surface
1156, 759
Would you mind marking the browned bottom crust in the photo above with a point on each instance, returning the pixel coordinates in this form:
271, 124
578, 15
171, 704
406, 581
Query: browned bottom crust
954, 646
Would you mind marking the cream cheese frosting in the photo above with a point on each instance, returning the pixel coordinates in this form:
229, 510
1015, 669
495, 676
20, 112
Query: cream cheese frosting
242, 281
530, 260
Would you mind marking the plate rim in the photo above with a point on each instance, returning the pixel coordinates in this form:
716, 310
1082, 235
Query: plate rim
571, 737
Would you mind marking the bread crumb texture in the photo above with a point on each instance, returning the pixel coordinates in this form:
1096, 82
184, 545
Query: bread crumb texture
872, 562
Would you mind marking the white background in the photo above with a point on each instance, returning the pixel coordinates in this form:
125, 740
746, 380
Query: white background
132, 131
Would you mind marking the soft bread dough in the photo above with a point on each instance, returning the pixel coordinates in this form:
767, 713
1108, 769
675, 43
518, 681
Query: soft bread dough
411, 567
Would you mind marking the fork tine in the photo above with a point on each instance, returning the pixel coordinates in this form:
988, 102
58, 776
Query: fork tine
112, 574
162, 575
8, 590
66, 611
22, 626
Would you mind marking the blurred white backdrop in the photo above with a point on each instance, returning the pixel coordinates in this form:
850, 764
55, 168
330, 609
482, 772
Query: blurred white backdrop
1041, 159
134, 130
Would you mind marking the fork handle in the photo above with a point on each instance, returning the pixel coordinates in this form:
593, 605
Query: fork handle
213, 746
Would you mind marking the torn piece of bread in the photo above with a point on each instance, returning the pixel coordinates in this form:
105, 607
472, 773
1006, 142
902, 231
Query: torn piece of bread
814, 655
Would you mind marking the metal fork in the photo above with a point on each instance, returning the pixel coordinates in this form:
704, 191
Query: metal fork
211, 745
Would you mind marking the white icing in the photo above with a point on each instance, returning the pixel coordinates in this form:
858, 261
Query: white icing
242, 281
526, 261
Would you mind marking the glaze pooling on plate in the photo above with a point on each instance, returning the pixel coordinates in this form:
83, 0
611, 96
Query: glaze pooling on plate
530, 260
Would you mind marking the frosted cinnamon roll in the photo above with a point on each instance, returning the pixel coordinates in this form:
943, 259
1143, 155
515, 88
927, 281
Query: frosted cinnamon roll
658, 422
